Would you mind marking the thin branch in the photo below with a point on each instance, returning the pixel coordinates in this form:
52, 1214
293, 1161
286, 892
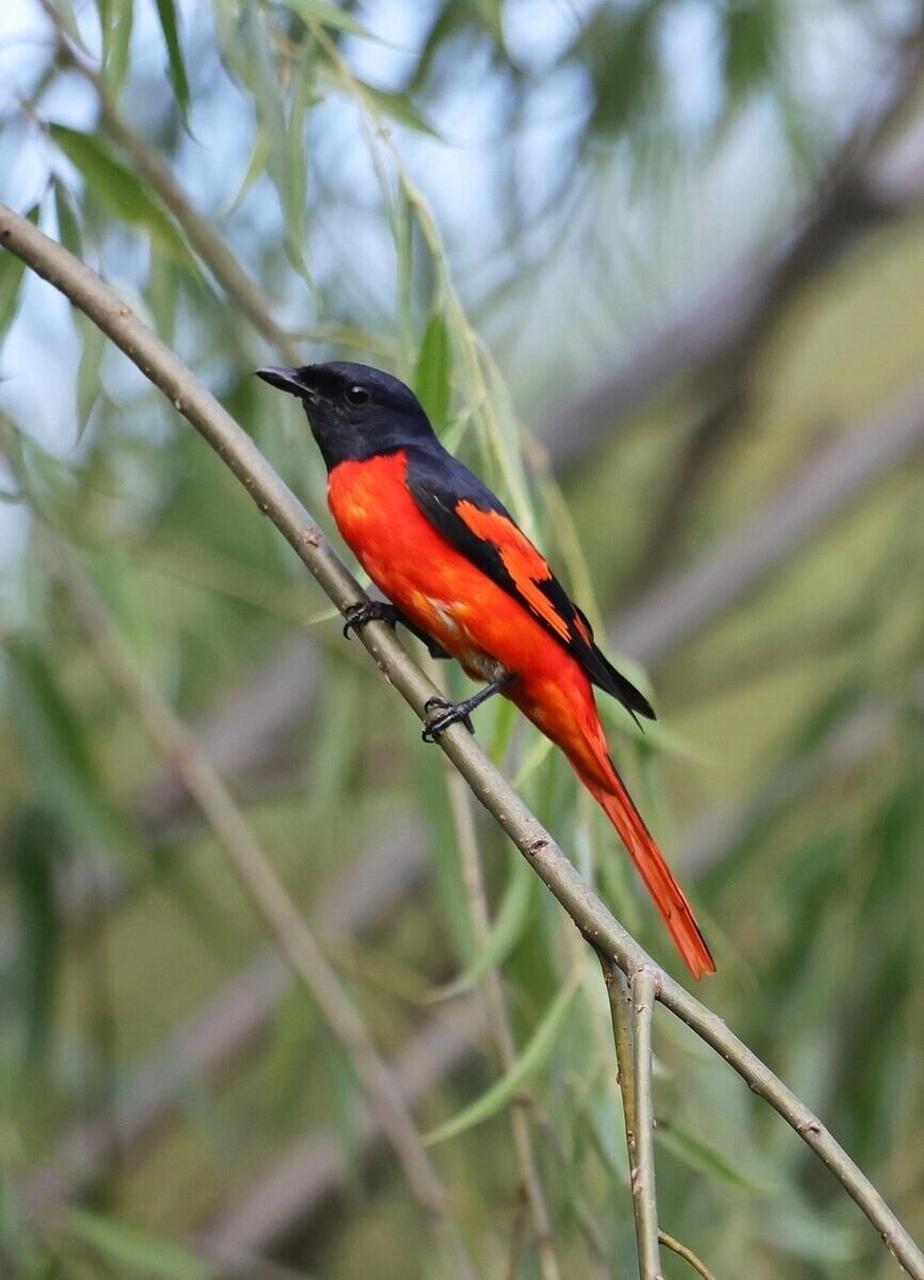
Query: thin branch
643, 993
357, 902
238, 737
298, 945
499, 1021
624, 1039
685, 1252
275, 499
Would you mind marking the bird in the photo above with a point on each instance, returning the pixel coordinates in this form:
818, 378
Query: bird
459, 573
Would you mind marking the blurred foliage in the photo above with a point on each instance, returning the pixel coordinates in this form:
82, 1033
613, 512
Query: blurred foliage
480, 196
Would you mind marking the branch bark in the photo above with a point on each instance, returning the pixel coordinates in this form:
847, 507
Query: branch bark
274, 498
642, 993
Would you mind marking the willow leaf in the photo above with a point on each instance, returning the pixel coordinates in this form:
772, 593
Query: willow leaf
532, 1059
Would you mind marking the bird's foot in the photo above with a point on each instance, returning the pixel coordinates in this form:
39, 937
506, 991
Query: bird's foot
360, 615
446, 714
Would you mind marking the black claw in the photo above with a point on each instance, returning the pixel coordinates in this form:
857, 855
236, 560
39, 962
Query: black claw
450, 715
359, 615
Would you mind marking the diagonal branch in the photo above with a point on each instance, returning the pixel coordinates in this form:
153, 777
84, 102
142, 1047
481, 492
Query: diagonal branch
86, 291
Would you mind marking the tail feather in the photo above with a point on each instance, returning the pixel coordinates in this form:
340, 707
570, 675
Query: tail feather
668, 896
566, 712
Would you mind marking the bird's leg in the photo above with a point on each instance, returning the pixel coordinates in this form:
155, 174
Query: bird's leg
359, 615
449, 713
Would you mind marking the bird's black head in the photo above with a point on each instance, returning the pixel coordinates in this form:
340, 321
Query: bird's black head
355, 411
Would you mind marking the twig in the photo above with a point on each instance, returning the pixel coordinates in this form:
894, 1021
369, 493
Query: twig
274, 498
259, 880
621, 1015
623, 1037
643, 992
499, 1020
685, 1252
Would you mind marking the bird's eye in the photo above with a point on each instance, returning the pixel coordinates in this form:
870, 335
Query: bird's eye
357, 395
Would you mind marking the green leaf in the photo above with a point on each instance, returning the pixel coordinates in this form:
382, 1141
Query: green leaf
514, 911
120, 190
68, 224
329, 15
115, 18
296, 179
280, 133
64, 12
703, 1158
751, 45
31, 852
56, 742
139, 1252
11, 276
167, 14
255, 170
91, 357
532, 1059
491, 15
400, 107
432, 377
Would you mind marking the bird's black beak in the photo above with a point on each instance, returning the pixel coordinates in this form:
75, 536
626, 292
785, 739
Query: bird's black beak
284, 380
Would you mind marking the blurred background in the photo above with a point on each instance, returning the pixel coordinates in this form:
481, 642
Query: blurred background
656, 268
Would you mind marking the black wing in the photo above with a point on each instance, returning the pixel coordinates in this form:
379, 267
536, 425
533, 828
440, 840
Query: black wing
475, 522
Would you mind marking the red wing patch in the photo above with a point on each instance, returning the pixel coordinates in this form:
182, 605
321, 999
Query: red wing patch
522, 561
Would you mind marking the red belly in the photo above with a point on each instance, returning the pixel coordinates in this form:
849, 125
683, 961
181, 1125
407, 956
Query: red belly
433, 584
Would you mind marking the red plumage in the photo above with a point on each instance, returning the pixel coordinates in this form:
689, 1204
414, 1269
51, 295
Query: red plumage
448, 555
445, 594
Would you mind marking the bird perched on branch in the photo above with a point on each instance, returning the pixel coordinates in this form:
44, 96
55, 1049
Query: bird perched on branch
464, 578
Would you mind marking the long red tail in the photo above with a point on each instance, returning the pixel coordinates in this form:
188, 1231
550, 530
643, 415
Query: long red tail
563, 707
668, 896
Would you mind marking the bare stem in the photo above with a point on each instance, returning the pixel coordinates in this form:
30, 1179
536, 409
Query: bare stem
86, 291
259, 880
643, 992
623, 1037
685, 1252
